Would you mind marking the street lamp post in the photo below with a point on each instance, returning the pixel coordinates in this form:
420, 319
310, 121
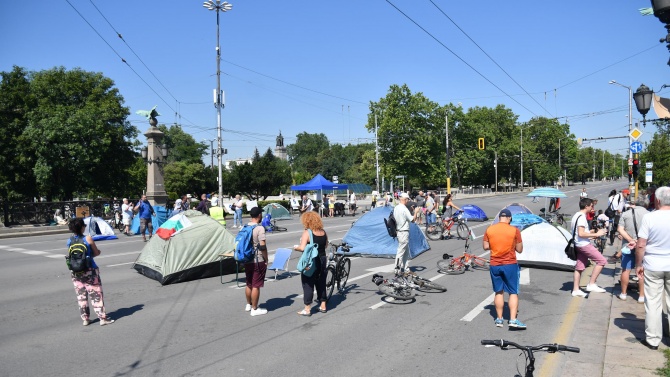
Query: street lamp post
377, 152
630, 123
662, 12
217, 5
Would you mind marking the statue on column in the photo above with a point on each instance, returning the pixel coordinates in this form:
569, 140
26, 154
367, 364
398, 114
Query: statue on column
150, 115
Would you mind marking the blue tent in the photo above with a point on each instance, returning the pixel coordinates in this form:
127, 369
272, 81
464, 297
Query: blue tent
368, 236
524, 220
515, 209
473, 213
319, 183
156, 221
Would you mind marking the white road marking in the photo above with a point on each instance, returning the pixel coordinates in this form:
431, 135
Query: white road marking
119, 264
117, 255
524, 278
55, 256
35, 252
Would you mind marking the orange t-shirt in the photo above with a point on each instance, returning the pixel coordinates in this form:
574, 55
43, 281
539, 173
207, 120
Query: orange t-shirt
502, 239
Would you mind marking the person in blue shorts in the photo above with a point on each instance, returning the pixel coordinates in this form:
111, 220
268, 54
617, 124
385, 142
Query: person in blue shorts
504, 241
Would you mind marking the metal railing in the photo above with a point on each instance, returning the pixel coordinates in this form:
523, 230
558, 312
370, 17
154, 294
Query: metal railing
43, 212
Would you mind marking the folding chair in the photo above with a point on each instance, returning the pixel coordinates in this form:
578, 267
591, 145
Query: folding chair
280, 263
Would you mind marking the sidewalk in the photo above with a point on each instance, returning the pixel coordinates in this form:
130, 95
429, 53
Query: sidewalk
607, 332
31, 230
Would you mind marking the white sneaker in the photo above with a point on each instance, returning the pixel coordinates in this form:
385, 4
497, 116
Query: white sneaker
259, 311
247, 308
579, 293
640, 300
594, 288
622, 296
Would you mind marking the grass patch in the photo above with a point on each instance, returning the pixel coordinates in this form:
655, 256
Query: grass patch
665, 371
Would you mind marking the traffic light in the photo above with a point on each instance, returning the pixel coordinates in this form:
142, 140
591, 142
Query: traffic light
636, 167
480, 143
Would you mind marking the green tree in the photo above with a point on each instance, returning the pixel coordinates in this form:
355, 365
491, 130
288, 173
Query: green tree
185, 177
658, 152
264, 176
303, 154
77, 133
182, 146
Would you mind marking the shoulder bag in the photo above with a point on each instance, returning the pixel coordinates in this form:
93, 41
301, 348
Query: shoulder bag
570, 249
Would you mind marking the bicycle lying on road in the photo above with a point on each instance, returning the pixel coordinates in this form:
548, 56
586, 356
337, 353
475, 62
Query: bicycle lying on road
403, 284
458, 265
337, 272
442, 228
528, 351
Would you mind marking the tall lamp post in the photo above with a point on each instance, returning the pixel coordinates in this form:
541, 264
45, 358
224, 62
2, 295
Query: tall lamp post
630, 124
217, 6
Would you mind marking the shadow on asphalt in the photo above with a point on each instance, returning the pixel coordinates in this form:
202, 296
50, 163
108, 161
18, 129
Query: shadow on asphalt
125, 312
278, 303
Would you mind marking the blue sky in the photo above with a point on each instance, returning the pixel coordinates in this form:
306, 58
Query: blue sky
313, 66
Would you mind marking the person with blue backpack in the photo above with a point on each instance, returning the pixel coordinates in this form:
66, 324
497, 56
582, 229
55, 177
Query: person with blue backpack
313, 236
252, 251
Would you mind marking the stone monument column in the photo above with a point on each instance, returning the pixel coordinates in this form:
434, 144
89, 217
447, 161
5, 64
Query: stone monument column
155, 160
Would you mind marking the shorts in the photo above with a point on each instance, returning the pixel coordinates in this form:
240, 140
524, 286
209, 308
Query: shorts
126, 221
627, 261
505, 278
255, 272
584, 253
352, 206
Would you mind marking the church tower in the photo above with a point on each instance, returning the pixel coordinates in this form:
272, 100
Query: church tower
280, 149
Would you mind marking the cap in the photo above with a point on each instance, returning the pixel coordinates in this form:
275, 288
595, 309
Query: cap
625, 191
178, 201
404, 195
255, 212
505, 212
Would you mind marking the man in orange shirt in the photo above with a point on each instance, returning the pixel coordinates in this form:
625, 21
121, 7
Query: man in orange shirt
504, 241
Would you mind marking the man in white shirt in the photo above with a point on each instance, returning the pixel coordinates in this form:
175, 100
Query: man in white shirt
586, 250
307, 205
583, 194
618, 204
352, 203
126, 215
652, 261
215, 200
402, 218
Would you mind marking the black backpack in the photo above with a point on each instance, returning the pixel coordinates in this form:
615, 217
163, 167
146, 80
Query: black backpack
391, 226
77, 259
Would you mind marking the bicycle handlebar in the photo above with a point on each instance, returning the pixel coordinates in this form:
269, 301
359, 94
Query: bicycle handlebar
548, 347
344, 246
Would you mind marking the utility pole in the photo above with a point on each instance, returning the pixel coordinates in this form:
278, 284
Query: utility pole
446, 128
495, 165
377, 152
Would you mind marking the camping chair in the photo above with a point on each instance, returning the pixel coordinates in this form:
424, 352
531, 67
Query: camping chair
280, 263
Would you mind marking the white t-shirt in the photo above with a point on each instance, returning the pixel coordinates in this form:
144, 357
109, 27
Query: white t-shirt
215, 201
430, 204
580, 217
583, 194
402, 217
126, 212
352, 199
617, 202
656, 230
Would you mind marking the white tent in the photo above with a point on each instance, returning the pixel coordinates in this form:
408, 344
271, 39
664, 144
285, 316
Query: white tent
99, 230
544, 246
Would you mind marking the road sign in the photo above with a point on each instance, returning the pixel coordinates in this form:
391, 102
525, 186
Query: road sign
635, 133
630, 162
335, 179
648, 176
648, 165
636, 147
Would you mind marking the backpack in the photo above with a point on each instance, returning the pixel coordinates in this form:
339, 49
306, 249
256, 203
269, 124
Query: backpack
77, 258
610, 212
307, 264
244, 245
391, 226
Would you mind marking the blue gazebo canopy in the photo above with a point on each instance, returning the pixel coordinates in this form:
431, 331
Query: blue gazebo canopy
319, 183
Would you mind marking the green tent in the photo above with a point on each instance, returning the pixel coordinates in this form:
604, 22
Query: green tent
192, 253
276, 211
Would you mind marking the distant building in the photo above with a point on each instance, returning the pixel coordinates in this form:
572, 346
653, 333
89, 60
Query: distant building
280, 149
228, 164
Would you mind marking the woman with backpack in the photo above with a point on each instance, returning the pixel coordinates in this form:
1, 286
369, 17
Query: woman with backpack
87, 284
312, 223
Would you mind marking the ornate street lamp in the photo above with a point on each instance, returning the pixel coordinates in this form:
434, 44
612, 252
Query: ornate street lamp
157, 160
662, 11
642, 97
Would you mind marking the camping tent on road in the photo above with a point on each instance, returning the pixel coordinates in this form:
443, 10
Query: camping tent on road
515, 209
544, 247
98, 229
190, 254
473, 213
368, 236
277, 211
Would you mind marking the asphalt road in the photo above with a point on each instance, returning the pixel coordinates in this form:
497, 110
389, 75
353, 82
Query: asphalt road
200, 328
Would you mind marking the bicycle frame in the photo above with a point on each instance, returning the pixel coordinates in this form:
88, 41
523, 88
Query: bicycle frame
528, 351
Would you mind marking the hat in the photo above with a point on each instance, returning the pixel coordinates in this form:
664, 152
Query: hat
404, 195
178, 201
255, 212
505, 212
625, 191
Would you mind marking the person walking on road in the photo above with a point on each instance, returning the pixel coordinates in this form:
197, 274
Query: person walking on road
652, 258
87, 284
629, 227
352, 203
616, 202
504, 241
145, 210
583, 194
431, 208
255, 270
586, 250
126, 215
402, 218
312, 222
237, 207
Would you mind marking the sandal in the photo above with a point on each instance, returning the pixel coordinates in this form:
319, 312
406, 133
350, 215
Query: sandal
304, 313
323, 310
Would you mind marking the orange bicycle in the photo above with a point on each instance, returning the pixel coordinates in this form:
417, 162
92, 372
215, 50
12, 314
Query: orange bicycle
458, 265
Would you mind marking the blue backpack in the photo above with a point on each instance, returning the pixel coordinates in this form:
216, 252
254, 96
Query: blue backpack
244, 244
307, 263
267, 222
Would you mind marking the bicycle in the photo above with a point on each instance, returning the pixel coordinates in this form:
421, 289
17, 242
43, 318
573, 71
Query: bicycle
528, 351
436, 231
337, 272
601, 241
421, 284
275, 228
553, 216
458, 265
399, 289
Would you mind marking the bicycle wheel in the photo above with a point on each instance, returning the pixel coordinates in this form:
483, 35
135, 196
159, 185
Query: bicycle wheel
427, 285
560, 221
398, 293
481, 263
462, 230
434, 231
278, 229
343, 273
330, 281
449, 267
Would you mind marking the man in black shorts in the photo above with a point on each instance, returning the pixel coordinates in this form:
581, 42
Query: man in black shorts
255, 270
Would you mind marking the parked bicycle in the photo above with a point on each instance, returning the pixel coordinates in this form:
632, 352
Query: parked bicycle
442, 228
456, 266
553, 216
527, 351
337, 272
116, 222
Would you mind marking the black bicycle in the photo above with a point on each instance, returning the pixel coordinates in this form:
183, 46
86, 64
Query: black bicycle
337, 272
528, 352
275, 228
